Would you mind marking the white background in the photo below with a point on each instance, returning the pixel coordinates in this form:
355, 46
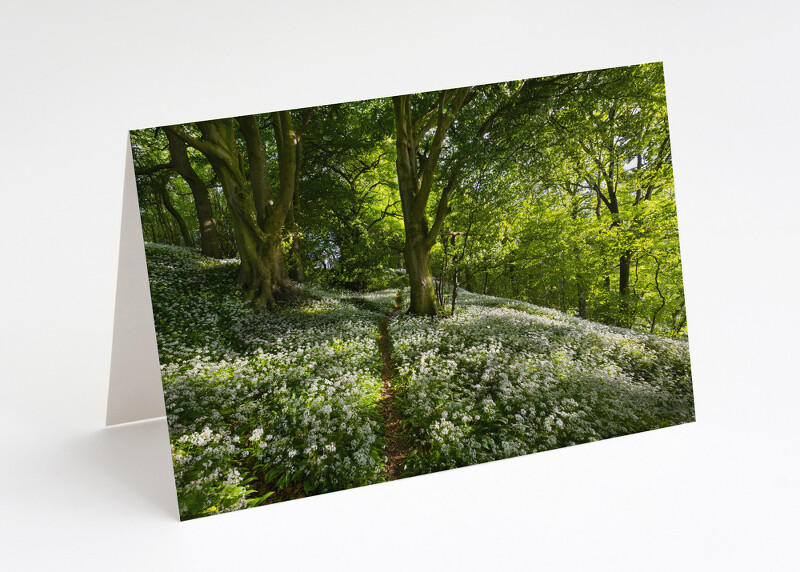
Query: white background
719, 494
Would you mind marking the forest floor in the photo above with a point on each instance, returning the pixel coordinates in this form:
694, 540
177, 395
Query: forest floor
397, 445
348, 390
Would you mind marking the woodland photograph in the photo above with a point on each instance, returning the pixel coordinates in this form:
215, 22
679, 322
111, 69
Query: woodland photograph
359, 292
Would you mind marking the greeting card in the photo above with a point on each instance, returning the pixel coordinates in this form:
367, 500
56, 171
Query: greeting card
358, 292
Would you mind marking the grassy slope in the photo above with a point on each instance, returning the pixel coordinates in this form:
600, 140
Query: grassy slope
287, 401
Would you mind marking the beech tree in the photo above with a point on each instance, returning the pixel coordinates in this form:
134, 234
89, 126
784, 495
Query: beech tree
179, 161
257, 213
159, 172
416, 170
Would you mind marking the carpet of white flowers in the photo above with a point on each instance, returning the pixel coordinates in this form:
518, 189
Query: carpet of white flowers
287, 402
286, 396
504, 378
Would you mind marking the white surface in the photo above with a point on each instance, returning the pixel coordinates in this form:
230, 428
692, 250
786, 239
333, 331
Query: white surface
720, 494
135, 392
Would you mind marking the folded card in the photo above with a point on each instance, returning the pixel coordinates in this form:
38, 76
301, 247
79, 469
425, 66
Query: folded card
358, 292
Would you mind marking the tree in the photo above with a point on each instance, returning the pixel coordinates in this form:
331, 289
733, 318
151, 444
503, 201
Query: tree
149, 162
416, 169
257, 214
179, 161
609, 121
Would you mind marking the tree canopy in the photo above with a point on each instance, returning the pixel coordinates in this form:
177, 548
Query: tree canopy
556, 191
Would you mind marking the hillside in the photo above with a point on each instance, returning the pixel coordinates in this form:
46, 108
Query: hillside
277, 405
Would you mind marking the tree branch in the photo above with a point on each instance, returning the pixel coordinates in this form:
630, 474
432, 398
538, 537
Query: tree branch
442, 210
424, 123
205, 147
154, 169
444, 121
389, 204
600, 195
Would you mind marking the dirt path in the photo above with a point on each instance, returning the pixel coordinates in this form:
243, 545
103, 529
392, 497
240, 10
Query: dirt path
397, 445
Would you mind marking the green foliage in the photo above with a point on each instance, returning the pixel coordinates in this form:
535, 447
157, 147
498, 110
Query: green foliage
349, 210
564, 196
577, 188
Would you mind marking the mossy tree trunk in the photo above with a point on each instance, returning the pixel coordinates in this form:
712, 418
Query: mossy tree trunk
257, 214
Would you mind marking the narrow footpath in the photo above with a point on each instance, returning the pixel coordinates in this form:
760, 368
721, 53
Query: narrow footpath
397, 445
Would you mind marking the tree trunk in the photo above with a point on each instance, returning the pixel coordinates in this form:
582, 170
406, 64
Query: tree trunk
468, 285
624, 275
264, 276
296, 271
187, 239
418, 265
209, 241
442, 275
455, 291
169, 237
